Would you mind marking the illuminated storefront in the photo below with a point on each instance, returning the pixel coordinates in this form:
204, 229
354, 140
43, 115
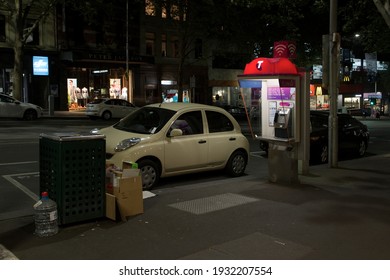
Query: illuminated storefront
94, 75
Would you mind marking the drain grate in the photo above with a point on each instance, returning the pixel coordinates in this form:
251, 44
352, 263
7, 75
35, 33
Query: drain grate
213, 203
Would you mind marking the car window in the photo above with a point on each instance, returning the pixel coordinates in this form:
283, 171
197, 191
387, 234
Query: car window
111, 102
146, 120
6, 99
125, 103
318, 123
218, 122
346, 121
190, 123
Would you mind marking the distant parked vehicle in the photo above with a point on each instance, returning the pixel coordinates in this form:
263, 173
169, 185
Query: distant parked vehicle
12, 108
237, 112
109, 108
365, 112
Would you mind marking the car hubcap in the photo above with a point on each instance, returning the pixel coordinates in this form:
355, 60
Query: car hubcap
238, 164
324, 154
362, 148
148, 176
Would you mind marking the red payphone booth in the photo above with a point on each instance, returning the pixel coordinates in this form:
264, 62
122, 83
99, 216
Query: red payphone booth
283, 114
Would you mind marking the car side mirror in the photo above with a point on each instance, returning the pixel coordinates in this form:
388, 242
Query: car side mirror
176, 132
17, 102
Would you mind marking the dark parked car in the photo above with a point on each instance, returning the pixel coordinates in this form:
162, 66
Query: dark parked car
238, 113
353, 136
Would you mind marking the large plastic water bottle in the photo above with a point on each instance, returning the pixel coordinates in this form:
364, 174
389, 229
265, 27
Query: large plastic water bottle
45, 216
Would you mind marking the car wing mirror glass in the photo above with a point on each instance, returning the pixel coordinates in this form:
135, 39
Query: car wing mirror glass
176, 132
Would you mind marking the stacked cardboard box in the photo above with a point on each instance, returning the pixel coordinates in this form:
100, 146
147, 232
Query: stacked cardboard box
123, 192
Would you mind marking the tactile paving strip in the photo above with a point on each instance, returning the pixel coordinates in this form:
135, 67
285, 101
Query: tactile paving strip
213, 203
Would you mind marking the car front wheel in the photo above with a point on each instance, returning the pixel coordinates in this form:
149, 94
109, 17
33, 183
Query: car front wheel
150, 173
236, 164
362, 148
30, 115
106, 115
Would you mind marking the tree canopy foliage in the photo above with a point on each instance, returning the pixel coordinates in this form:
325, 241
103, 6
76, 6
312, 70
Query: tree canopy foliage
252, 26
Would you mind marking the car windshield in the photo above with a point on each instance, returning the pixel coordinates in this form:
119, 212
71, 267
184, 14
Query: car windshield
146, 120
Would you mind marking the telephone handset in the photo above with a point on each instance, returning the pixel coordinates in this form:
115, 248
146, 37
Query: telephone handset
282, 123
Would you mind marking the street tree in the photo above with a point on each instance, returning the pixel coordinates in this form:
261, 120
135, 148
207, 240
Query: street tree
384, 9
24, 17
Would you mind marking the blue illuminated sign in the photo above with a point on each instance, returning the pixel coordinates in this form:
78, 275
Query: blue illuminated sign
40, 65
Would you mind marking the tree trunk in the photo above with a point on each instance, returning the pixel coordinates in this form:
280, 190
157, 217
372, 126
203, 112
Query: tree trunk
17, 82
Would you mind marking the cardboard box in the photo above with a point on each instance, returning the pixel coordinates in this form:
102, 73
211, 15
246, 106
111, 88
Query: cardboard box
127, 191
111, 206
128, 195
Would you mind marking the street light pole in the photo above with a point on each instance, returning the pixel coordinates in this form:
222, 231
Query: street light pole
334, 41
127, 53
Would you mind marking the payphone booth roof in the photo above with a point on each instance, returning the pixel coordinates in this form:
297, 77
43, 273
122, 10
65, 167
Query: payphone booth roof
270, 67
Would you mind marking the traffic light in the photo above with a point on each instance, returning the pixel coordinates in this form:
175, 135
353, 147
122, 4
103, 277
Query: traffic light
372, 101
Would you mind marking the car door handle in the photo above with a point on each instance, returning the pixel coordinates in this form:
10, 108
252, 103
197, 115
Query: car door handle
202, 141
232, 139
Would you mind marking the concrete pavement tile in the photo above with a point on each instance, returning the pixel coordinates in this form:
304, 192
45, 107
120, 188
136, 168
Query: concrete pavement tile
254, 246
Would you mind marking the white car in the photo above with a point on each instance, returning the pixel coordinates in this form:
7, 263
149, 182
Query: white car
12, 108
170, 139
109, 108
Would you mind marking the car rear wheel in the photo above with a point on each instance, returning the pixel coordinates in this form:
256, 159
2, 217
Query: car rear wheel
106, 115
236, 164
323, 156
30, 115
362, 148
150, 173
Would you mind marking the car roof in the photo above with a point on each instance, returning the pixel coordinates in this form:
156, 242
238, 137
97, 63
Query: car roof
177, 106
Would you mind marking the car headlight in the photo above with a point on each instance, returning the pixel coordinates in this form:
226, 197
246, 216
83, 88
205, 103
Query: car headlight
127, 143
94, 130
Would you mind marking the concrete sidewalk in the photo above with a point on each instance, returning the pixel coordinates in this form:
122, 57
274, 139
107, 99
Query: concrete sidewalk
333, 213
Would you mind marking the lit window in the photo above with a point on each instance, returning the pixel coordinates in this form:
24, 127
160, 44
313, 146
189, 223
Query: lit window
175, 14
164, 10
150, 9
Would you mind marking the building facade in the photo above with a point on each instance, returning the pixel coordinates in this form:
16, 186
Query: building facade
40, 48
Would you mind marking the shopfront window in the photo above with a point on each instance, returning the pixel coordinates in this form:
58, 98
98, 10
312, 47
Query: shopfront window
87, 84
352, 102
231, 96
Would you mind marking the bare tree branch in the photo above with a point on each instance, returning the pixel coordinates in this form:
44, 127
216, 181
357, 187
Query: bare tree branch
384, 9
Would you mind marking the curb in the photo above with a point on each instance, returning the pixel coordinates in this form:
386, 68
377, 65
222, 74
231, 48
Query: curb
6, 254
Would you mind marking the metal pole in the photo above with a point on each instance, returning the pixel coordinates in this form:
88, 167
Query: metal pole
333, 91
127, 53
